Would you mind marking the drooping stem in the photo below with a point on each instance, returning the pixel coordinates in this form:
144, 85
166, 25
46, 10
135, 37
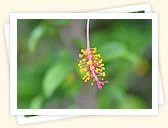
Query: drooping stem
87, 36
88, 48
91, 63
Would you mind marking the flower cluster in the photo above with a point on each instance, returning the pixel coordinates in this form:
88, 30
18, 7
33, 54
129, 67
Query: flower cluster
92, 66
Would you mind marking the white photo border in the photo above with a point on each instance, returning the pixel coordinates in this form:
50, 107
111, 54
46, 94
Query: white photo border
13, 65
132, 8
35, 119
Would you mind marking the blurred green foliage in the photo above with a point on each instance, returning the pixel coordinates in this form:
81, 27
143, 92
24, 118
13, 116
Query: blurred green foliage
47, 71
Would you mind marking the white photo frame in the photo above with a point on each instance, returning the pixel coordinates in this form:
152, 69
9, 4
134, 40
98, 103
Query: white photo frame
26, 120
131, 8
13, 60
35, 119
146, 8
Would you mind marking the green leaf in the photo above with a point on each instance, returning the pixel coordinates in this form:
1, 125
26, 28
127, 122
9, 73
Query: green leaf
29, 81
35, 36
117, 50
36, 102
132, 57
112, 50
57, 73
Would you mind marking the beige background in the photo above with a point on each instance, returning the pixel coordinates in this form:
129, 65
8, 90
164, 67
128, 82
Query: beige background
8, 6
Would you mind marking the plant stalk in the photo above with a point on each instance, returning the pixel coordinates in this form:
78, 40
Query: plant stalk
87, 36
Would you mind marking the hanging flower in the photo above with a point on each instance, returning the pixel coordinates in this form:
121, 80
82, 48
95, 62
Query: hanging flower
91, 64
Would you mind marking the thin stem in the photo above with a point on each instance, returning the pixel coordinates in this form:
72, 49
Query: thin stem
87, 36
88, 48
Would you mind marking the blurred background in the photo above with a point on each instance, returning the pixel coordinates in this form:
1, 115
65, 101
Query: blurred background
47, 71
